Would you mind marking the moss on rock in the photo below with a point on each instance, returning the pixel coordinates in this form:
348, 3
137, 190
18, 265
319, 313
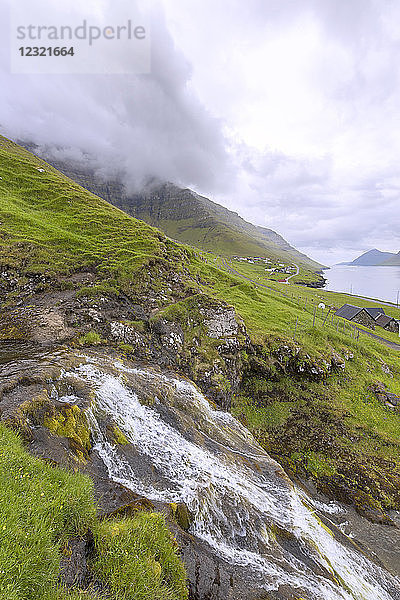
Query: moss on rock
119, 437
181, 514
71, 423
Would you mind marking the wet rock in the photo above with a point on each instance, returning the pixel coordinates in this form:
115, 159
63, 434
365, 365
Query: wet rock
129, 509
74, 570
182, 515
111, 498
211, 578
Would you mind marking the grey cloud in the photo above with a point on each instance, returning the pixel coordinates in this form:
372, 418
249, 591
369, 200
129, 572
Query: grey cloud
337, 200
305, 201
141, 126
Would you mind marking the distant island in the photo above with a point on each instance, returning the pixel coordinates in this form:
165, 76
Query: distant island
375, 258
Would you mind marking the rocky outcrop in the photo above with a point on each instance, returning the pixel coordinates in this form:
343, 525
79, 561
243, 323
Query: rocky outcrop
381, 393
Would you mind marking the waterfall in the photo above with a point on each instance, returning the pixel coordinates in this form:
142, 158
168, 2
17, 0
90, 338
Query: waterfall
243, 504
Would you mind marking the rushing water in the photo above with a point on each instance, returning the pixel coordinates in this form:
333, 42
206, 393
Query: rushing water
373, 282
185, 451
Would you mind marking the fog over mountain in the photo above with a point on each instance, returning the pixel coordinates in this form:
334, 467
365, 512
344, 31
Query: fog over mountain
284, 112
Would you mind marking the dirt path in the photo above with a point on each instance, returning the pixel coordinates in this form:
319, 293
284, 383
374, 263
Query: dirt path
392, 345
294, 274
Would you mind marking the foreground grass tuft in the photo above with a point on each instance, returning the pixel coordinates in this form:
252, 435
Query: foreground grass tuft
138, 559
42, 506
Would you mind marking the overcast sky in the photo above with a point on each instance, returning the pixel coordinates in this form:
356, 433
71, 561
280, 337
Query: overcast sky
287, 111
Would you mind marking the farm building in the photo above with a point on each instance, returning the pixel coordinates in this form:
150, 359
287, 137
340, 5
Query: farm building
356, 314
387, 323
368, 316
375, 311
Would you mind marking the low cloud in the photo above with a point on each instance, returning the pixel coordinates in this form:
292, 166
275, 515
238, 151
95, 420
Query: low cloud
138, 126
285, 112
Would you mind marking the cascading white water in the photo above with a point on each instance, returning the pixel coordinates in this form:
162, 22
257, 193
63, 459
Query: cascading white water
238, 495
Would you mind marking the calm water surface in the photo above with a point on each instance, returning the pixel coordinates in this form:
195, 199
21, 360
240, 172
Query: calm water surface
373, 282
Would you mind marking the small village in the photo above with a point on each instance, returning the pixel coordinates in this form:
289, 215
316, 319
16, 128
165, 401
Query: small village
370, 317
271, 268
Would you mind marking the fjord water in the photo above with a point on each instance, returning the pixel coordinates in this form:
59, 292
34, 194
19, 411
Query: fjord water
243, 504
382, 283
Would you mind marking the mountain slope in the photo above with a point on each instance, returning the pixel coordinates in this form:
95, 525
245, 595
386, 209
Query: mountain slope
190, 218
394, 260
50, 223
374, 258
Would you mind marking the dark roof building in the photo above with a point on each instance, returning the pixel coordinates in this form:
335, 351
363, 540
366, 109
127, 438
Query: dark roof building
368, 316
356, 314
388, 323
348, 311
383, 320
375, 312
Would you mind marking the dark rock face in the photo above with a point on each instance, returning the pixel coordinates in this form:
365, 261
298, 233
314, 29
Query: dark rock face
387, 398
74, 570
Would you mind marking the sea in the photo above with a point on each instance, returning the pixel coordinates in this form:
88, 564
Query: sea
382, 283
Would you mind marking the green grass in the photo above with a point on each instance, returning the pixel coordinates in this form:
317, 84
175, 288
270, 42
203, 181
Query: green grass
138, 558
290, 417
50, 224
91, 338
42, 507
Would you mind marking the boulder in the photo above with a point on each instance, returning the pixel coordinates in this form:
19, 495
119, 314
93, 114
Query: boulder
382, 394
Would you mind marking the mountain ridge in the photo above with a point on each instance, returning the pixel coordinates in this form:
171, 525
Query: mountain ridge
393, 260
186, 216
374, 258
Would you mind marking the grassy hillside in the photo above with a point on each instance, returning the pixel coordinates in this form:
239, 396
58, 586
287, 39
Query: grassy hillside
359, 450
321, 421
190, 218
49, 223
